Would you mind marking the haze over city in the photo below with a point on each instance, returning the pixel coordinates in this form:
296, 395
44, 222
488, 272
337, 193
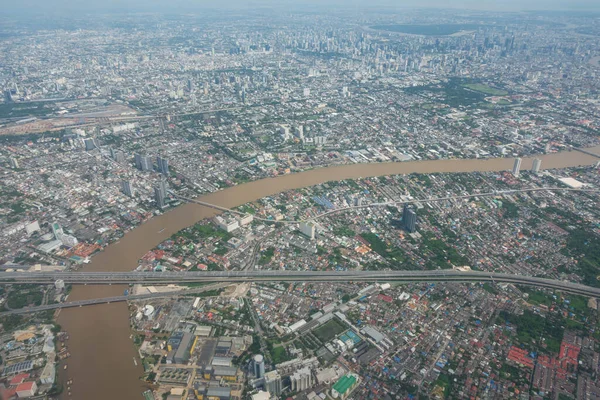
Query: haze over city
299, 200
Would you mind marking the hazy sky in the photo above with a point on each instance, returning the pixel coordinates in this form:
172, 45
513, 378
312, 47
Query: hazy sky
175, 6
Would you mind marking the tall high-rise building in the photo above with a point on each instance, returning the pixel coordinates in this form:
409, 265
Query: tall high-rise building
537, 164
14, 163
159, 197
138, 160
163, 165
516, 167
299, 131
409, 219
259, 366
163, 187
309, 229
117, 155
143, 162
8, 97
126, 188
302, 380
273, 383
90, 144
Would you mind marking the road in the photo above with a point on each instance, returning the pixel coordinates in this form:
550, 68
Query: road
228, 277
395, 202
108, 300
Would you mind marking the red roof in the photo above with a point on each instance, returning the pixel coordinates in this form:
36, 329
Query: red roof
520, 356
7, 393
18, 379
25, 386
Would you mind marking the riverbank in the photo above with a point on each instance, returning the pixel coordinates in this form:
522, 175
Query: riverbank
101, 347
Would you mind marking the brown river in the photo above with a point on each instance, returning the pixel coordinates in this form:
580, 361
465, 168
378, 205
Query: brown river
102, 351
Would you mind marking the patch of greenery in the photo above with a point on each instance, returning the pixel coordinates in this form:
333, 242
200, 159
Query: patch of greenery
537, 297
11, 322
221, 250
489, 288
379, 246
480, 87
278, 354
267, 256
533, 329
329, 330
20, 299
585, 246
441, 254
453, 93
511, 209
343, 231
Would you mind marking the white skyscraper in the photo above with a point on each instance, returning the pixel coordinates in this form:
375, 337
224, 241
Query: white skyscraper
308, 228
302, 379
516, 167
273, 383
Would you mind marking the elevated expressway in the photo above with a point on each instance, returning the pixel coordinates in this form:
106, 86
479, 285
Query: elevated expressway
227, 277
114, 299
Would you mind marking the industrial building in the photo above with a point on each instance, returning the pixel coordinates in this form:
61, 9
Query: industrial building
218, 393
343, 387
182, 353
